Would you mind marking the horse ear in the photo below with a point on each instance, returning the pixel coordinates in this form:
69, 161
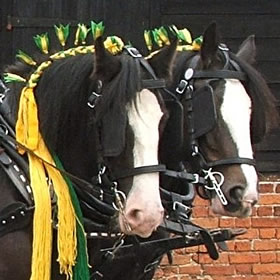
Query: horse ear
247, 50
162, 62
106, 65
209, 45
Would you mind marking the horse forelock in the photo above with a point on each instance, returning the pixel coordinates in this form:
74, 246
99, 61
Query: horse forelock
122, 88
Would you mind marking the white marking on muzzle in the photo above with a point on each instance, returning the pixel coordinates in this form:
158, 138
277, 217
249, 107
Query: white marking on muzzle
143, 208
236, 112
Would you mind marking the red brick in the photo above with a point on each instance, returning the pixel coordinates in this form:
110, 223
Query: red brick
266, 188
244, 223
268, 222
268, 257
252, 233
276, 210
243, 246
219, 269
164, 261
270, 268
170, 270
192, 270
193, 249
277, 189
267, 233
207, 223
181, 259
231, 245
278, 257
200, 212
265, 245
265, 211
269, 199
242, 258
243, 268
159, 274
270, 277
240, 278
205, 259
200, 201
227, 222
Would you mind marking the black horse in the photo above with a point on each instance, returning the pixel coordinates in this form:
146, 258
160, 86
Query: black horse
99, 118
220, 107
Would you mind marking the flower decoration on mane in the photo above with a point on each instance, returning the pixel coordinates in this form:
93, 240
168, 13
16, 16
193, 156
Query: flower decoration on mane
97, 29
42, 42
159, 37
114, 44
62, 33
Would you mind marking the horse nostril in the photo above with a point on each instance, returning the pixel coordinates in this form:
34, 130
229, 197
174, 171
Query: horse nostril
236, 194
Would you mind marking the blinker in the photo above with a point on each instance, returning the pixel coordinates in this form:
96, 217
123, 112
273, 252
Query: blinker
204, 111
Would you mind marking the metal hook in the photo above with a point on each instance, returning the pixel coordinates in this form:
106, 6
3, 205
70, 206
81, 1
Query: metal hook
216, 185
100, 173
120, 199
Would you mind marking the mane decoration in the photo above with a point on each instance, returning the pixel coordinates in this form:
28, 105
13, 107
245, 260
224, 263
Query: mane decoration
71, 238
159, 37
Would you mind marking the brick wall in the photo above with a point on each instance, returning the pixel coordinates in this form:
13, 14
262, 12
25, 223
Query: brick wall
252, 256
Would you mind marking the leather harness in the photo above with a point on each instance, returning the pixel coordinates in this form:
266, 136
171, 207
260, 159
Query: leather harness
97, 197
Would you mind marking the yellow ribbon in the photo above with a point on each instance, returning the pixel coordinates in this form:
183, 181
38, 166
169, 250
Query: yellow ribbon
27, 134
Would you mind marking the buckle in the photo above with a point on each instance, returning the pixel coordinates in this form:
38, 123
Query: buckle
92, 99
180, 204
2, 97
223, 47
196, 179
182, 86
133, 52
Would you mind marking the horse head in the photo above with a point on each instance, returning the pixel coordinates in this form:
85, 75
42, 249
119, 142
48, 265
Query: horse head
227, 108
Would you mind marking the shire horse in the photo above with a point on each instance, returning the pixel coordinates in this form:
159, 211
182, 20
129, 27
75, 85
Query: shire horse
221, 106
227, 108
109, 150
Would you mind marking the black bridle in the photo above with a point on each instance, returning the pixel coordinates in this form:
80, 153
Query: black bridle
153, 83
186, 92
98, 196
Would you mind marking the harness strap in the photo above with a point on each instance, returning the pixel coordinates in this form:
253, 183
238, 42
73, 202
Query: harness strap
219, 74
14, 217
153, 84
228, 161
190, 177
140, 170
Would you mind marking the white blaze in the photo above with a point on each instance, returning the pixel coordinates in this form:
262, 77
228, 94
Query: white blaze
144, 120
236, 112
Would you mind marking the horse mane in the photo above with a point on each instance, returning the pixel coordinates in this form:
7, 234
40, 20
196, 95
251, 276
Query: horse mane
63, 90
265, 116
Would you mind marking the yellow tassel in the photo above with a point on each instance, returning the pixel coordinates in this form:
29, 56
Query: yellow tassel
27, 134
42, 226
27, 126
